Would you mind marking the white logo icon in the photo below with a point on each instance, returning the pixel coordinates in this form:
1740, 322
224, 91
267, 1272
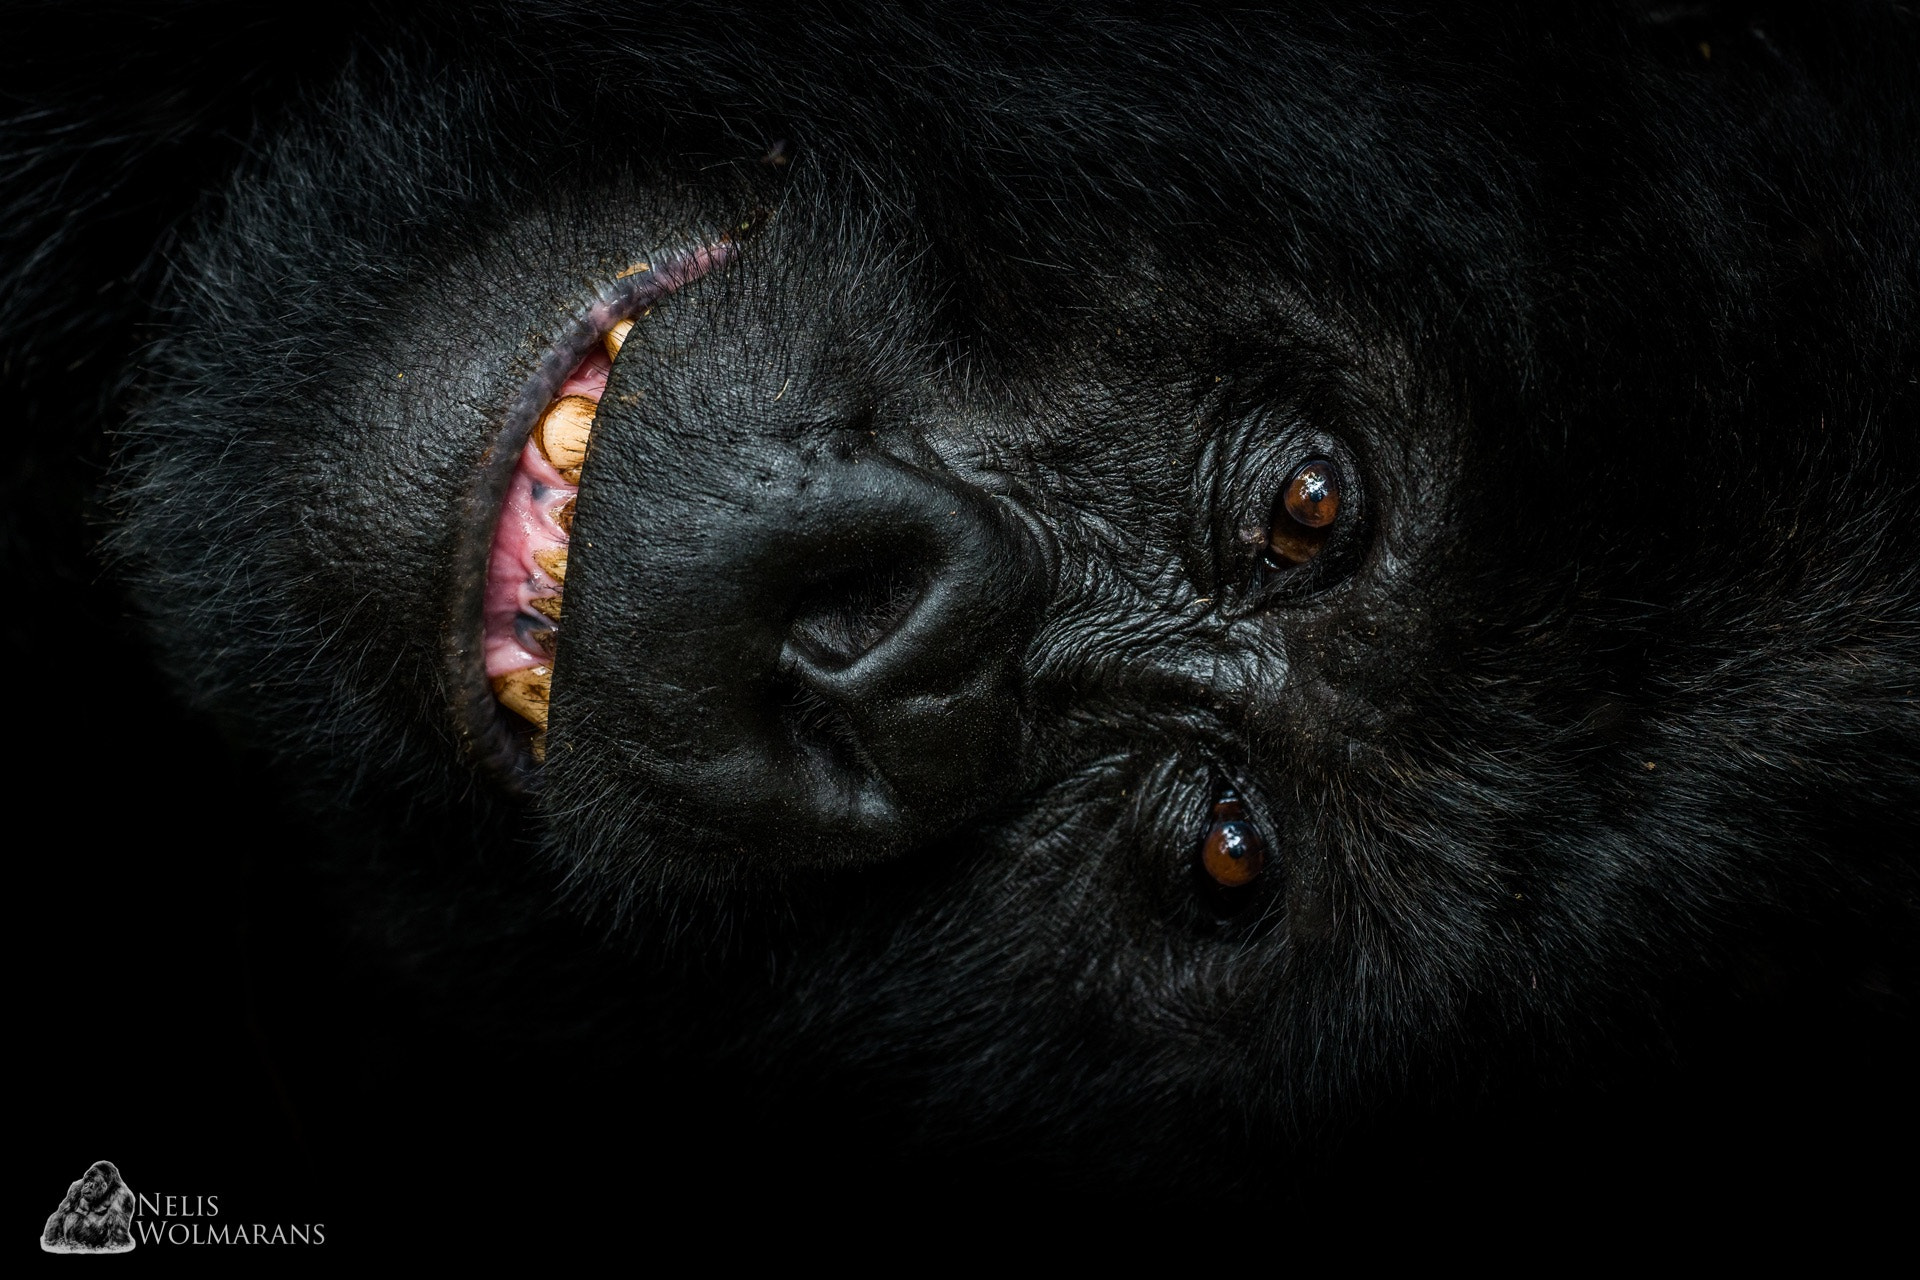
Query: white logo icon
95, 1217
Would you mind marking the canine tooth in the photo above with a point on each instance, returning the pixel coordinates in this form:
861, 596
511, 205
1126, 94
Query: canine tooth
564, 432
526, 693
554, 561
616, 338
548, 606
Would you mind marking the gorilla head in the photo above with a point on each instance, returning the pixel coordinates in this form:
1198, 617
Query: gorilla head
1142, 588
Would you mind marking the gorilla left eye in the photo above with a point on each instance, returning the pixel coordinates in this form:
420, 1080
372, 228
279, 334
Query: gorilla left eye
1304, 514
1232, 853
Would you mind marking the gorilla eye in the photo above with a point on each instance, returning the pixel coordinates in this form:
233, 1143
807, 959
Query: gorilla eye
1304, 515
1233, 852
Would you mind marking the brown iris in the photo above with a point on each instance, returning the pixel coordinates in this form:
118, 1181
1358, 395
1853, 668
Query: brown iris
1304, 515
1233, 852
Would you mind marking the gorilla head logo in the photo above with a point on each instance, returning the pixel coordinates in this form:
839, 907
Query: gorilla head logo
95, 1216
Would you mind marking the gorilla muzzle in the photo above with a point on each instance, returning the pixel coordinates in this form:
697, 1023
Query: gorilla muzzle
814, 647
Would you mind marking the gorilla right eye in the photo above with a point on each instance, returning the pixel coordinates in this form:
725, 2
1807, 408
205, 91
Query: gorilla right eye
1233, 853
1303, 518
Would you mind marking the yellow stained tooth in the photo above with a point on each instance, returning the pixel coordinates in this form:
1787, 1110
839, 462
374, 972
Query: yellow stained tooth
526, 693
553, 561
616, 338
564, 432
548, 606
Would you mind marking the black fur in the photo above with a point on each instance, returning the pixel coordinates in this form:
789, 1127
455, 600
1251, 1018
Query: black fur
1590, 757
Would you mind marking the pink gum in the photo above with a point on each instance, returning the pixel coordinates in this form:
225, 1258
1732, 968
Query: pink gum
514, 579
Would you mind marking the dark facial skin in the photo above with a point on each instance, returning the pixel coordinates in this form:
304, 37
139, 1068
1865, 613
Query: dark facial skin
934, 575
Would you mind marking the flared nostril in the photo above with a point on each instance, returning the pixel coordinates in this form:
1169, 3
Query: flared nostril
904, 663
837, 621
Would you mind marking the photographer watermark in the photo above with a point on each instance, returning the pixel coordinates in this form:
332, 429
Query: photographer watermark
102, 1214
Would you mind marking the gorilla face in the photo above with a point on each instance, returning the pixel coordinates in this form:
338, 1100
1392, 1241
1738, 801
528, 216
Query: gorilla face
1211, 574
823, 608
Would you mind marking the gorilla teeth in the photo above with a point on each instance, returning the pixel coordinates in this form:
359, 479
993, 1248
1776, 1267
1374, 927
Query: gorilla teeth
536, 636
616, 338
527, 574
530, 551
564, 432
553, 562
526, 693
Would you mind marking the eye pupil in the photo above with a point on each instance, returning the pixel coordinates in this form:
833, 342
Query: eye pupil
1313, 495
1233, 852
1309, 504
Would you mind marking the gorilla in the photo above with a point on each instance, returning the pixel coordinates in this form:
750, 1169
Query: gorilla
95, 1215
837, 606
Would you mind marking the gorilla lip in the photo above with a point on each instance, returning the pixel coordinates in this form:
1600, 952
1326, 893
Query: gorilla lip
511, 563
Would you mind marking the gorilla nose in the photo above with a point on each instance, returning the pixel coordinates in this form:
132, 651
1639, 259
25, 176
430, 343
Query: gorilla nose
817, 653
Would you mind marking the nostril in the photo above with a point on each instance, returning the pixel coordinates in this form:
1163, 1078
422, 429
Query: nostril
840, 619
848, 614
822, 730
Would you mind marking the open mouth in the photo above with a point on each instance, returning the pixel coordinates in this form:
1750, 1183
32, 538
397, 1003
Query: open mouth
512, 569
